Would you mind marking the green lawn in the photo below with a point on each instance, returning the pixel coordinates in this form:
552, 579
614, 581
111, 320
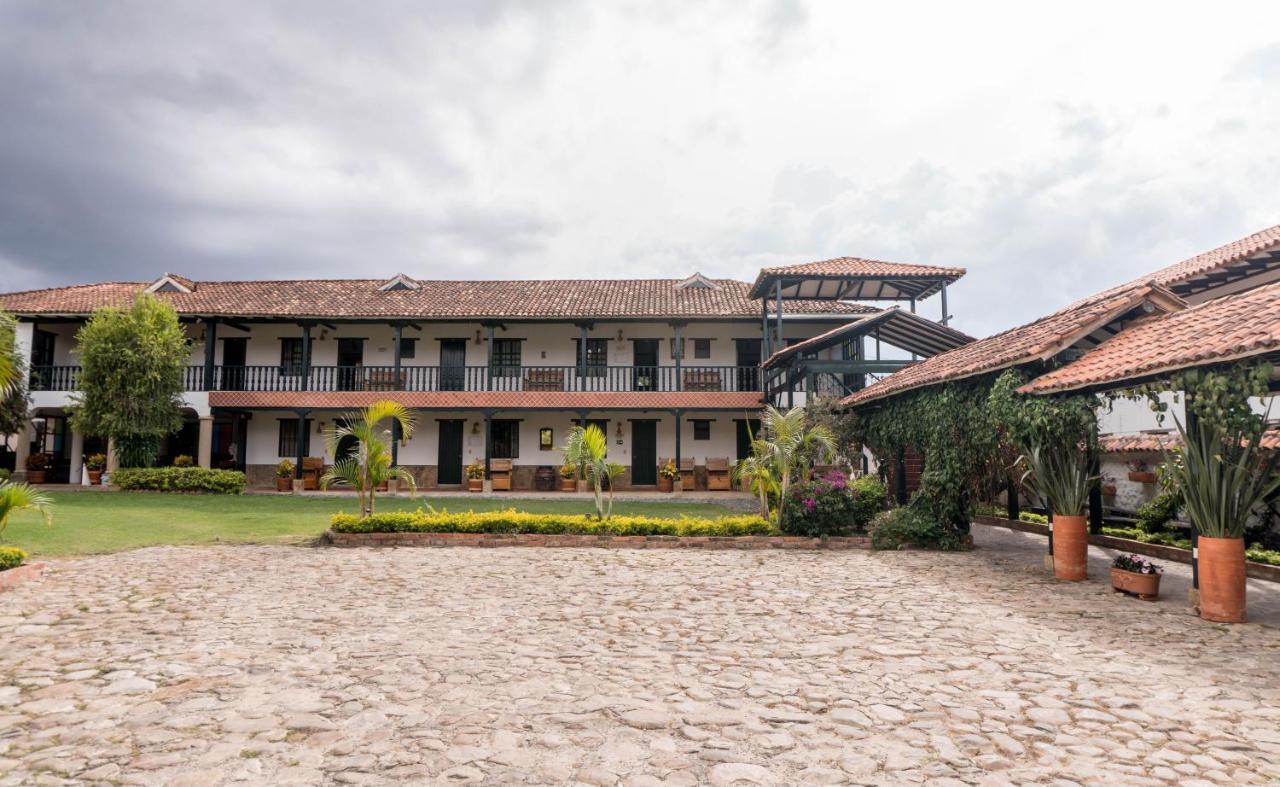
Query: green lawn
92, 522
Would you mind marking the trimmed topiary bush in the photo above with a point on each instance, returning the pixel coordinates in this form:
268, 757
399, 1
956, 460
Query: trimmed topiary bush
512, 521
11, 557
180, 479
832, 506
904, 527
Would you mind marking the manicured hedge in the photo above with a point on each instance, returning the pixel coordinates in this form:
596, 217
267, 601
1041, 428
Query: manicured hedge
11, 557
180, 479
511, 521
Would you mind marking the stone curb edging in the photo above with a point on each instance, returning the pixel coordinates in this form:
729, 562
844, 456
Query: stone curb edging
1160, 551
598, 541
15, 576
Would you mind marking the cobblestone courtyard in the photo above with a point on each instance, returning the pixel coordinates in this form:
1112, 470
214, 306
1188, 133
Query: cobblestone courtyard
299, 665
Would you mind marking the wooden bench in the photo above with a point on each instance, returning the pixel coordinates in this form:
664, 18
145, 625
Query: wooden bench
688, 478
703, 380
383, 380
500, 474
312, 469
544, 380
718, 474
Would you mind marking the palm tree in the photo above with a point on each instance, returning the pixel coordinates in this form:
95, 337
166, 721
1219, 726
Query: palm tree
792, 446
756, 471
369, 464
17, 497
588, 450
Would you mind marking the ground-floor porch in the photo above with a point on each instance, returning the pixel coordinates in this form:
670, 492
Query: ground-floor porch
295, 665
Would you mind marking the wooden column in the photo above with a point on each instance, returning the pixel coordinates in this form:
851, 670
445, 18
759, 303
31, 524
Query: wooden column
306, 356
1015, 508
777, 314
300, 449
210, 350
1193, 426
679, 353
765, 352
488, 442
900, 476
1095, 493
945, 317
582, 356
397, 330
488, 364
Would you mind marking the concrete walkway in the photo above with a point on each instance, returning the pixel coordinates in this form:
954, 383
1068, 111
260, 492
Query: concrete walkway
1024, 552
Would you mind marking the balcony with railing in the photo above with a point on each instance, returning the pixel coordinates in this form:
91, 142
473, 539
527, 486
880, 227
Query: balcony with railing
444, 378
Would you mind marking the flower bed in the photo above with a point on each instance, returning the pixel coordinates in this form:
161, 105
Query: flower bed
511, 521
14, 570
180, 479
11, 557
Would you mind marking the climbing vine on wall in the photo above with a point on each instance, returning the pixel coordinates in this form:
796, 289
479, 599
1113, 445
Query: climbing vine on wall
969, 433
1219, 395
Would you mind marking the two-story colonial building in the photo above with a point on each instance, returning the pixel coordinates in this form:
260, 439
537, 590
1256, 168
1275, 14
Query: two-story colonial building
493, 369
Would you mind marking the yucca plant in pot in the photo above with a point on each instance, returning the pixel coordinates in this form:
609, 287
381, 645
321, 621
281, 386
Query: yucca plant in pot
1059, 474
1223, 477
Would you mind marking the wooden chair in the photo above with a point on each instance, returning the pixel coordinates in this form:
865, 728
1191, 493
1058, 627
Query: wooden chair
702, 380
384, 380
544, 380
688, 476
312, 469
718, 474
500, 474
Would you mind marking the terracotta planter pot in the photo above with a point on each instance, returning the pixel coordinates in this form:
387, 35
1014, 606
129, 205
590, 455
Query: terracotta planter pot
666, 484
475, 484
1144, 586
1108, 490
1070, 548
95, 477
1222, 589
35, 476
1142, 477
568, 485
284, 484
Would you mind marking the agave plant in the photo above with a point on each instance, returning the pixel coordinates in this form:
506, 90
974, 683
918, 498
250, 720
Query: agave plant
1223, 477
369, 465
588, 450
19, 497
1059, 474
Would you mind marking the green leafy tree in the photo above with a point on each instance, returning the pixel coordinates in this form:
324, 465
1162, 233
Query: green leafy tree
132, 362
589, 449
369, 465
17, 497
10, 368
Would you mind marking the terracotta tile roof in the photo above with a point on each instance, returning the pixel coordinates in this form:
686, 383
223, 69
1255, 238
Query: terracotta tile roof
930, 276
1035, 341
1232, 252
498, 400
902, 329
1150, 443
361, 298
1236, 326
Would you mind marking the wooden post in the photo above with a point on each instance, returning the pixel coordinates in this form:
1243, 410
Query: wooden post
398, 332
1015, 507
300, 452
488, 443
1095, 494
945, 316
1193, 426
582, 357
777, 313
306, 357
488, 364
765, 352
679, 479
210, 348
679, 353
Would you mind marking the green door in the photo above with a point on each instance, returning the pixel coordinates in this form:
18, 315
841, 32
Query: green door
644, 453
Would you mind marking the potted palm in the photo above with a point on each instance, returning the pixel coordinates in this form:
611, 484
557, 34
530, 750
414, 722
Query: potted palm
284, 476
1223, 478
1059, 473
95, 464
1137, 575
36, 467
475, 477
667, 475
568, 478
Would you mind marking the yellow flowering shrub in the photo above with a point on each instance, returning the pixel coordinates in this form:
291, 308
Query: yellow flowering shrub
512, 521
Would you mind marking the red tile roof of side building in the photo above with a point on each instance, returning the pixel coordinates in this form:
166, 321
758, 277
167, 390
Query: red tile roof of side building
856, 267
1035, 341
1021, 344
362, 299
1147, 442
1217, 331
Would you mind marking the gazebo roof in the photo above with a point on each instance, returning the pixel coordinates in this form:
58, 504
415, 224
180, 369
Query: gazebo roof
854, 279
902, 329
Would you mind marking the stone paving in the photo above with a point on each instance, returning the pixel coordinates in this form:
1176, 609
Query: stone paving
273, 664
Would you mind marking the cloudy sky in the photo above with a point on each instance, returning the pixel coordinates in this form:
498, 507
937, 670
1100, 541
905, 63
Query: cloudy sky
1051, 153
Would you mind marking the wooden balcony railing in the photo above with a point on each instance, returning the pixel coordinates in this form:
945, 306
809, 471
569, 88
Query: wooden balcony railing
445, 378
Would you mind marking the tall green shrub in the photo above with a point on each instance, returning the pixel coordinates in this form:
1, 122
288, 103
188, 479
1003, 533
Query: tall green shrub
131, 378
